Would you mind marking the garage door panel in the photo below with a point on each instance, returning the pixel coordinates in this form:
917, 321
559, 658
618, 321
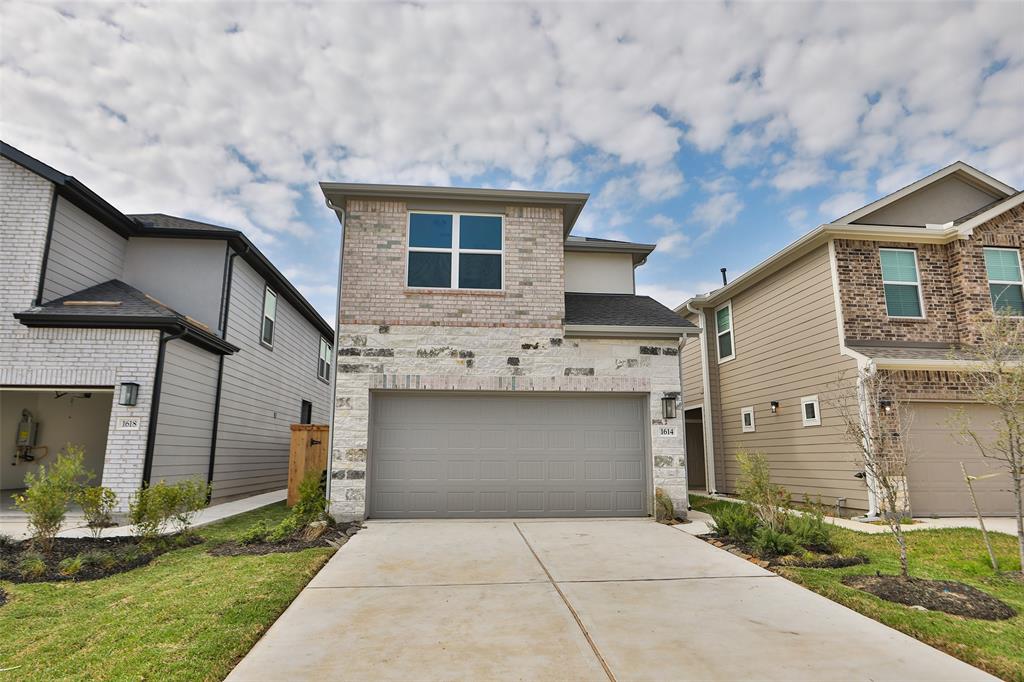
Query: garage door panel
936, 450
550, 456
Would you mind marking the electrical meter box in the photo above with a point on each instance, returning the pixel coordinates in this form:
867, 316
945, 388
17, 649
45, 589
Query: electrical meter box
26, 432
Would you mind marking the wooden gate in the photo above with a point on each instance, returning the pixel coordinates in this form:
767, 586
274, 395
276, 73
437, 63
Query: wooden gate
308, 453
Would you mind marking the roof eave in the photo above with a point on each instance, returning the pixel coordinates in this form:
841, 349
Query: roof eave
192, 334
639, 252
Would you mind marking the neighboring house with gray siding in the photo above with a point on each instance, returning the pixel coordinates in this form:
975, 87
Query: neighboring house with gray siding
899, 286
223, 352
492, 365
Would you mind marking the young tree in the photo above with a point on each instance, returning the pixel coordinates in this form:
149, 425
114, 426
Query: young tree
996, 378
876, 423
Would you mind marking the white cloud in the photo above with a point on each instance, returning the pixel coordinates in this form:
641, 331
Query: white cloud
839, 205
797, 219
715, 212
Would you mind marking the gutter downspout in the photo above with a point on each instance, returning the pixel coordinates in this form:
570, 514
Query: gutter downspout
340, 212
154, 405
682, 418
709, 443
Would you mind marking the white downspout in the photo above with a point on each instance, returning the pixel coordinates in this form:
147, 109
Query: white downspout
709, 443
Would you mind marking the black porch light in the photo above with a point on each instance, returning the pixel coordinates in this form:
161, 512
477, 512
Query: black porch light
129, 394
668, 405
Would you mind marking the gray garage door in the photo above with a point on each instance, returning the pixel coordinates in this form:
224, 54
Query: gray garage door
934, 478
460, 455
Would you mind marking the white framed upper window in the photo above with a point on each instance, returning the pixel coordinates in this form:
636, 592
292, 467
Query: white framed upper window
1005, 280
323, 367
455, 251
268, 327
726, 337
810, 411
747, 419
902, 283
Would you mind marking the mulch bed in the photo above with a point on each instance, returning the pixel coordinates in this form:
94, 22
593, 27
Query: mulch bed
824, 561
335, 536
745, 551
128, 551
947, 596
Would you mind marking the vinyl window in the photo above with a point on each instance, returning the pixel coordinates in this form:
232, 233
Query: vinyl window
747, 419
810, 411
1005, 281
269, 317
723, 325
902, 283
455, 251
323, 368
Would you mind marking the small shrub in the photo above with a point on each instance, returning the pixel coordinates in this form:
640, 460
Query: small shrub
98, 504
288, 527
71, 566
99, 558
664, 510
772, 543
6, 541
254, 534
152, 508
31, 566
190, 497
770, 502
312, 503
811, 531
127, 556
48, 493
736, 521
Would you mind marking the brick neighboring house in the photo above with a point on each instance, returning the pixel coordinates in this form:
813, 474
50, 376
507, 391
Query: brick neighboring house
223, 352
490, 364
901, 285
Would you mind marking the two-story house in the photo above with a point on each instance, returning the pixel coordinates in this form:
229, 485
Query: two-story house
899, 285
168, 348
492, 365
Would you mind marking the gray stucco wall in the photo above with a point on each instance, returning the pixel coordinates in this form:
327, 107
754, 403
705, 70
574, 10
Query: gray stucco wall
83, 252
186, 274
184, 429
263, 390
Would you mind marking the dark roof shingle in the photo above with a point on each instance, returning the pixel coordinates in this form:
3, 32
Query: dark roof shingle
624, 310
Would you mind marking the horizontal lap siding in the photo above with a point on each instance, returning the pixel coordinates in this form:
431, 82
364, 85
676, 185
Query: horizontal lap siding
263, 390
184, 430
83, 253
693, 382
787, 347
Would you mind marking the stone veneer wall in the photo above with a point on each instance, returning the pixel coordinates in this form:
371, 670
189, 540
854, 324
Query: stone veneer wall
66, 357
504, 359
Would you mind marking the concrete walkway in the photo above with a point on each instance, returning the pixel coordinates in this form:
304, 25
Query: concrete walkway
18, 529
570, 600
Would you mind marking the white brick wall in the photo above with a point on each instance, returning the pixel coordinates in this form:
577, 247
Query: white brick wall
415, 357
66, 357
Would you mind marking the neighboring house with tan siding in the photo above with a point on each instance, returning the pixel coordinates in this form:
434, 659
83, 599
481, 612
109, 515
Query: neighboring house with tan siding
900, 285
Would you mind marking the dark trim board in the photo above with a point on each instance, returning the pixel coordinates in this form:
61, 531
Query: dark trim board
154, 405
216, 423
46, 247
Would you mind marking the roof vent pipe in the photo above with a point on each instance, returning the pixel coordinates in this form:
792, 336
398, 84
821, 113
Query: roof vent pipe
725, 280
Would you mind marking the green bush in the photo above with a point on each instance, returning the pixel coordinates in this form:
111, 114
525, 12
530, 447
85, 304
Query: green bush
48, 493
126, 556
312, 503
772, 543
99, 558
734, 520
6, 540
160, 504
31, 566
254, 534
289, 526
191, 497
770, 502
811, 531
71, 566
98, 504
664, 510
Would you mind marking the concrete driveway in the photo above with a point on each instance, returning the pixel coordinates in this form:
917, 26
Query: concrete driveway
570, 600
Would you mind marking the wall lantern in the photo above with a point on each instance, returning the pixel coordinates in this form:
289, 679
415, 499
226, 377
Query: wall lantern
129, 394
775, 406
668, 405
885, 406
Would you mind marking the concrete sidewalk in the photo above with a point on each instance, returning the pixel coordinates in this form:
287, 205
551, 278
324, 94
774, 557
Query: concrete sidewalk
18, 529
570, 600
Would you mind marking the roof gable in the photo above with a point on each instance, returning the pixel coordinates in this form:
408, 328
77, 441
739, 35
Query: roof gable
943, 196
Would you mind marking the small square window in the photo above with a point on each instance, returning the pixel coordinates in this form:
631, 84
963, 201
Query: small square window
747, 419
810, 411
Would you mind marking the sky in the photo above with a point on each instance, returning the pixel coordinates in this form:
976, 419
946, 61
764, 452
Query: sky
719, 131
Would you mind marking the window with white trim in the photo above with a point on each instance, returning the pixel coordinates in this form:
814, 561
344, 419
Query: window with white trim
810, 411
323, 367
723, 326
269, 317
1005, 280
455, 251
747, 419
902, 283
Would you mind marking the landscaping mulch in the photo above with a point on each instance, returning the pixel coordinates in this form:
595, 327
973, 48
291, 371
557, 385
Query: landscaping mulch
947, 596
824, 561
129, 553
336, 536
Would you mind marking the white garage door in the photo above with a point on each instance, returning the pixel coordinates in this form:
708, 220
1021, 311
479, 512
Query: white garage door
464, 455
936, 483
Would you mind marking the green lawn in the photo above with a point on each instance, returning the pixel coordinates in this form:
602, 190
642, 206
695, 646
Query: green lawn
185, 616
943, 554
